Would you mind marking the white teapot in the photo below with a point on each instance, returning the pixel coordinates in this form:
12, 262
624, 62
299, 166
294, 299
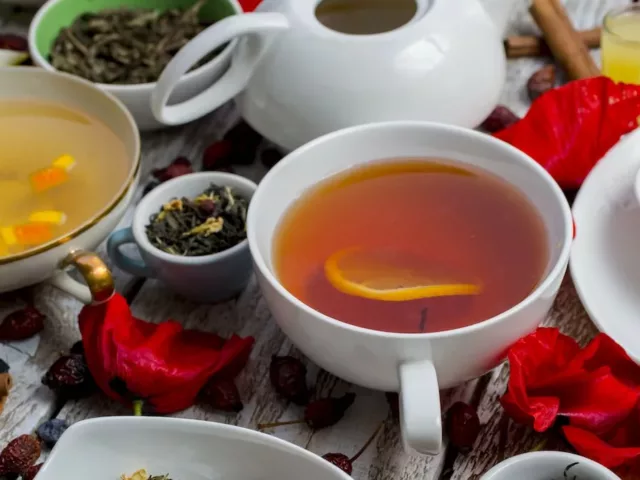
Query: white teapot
296, 75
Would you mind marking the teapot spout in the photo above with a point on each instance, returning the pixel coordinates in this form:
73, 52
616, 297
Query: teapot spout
500, 12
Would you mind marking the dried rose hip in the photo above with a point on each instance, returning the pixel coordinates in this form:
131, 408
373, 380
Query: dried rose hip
217, 156
22, 324
289, 378
31, 472
541, 81
463, 425
10, 41
245, 141
69, 377
180, 166
341, 461
207, 208
19, 455
222, 394
327, 411
394, 403
270, 157
77, 348
499, 119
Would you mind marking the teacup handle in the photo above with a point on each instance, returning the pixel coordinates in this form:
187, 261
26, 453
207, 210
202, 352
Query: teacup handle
420, 414
231, 83
100, 286
133, 266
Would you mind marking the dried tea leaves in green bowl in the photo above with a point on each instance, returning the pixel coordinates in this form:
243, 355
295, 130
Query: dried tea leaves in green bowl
210, 223
126, 46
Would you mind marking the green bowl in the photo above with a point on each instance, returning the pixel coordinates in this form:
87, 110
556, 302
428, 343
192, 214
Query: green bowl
55, 15
59, 14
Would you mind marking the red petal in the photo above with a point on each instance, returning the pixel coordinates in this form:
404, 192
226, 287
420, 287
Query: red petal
591, 446
159, 363
569, 129
597, 403
603, 351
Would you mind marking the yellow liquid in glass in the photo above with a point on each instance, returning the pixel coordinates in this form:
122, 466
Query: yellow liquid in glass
621, 49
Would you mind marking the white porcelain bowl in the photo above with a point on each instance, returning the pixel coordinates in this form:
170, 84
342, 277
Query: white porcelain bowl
54, 14
106, 448
549, 466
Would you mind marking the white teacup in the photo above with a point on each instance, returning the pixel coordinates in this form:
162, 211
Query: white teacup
416, 365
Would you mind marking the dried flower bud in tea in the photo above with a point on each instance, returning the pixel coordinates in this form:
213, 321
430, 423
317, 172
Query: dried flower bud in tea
212, 222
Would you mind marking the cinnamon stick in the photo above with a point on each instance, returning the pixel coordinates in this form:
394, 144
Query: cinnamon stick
563, 40
531, 46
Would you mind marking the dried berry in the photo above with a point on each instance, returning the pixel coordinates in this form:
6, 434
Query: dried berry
463, 425
10, 41
222, 394
499, 119
207, 208
345, 463
180, 166
394, 403
22, 324
69, 377
245, 141
51, 431
4, 366
218, 155
341, 461
541, 81
289, 378
19, 455
31, 472
327, 411
77, 348
270, 157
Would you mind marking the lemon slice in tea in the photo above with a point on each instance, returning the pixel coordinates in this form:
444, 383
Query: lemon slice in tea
391, 276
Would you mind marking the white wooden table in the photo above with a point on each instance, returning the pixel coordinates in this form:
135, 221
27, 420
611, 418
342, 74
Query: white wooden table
30, 403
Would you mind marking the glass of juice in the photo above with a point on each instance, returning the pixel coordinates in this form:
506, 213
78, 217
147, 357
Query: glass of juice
621, 44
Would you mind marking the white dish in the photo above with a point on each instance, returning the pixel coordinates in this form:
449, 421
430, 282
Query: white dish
137, 98
106, 448
549, 466
605, 257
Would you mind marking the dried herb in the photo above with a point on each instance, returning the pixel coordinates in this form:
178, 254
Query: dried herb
124, 45
143, 475
210, 223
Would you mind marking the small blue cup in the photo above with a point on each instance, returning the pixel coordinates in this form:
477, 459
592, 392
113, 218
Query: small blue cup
205, 279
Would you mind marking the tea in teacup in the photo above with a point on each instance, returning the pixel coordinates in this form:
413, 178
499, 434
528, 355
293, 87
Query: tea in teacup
59, 168
411, 246
365, 17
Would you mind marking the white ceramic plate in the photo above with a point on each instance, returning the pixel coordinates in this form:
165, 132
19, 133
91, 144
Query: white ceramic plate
105, 448
605, 257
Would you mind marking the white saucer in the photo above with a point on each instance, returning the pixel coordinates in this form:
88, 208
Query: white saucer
605, 257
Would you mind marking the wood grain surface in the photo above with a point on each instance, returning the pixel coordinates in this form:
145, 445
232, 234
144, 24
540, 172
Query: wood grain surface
30, 403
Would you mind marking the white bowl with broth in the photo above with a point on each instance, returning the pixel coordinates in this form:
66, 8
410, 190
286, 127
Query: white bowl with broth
56, 14
45, 116
415, 364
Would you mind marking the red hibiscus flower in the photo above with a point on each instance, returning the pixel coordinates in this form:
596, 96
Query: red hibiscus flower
595, 389
570, 128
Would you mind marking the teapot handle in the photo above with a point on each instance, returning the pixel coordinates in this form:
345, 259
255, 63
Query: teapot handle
231, 83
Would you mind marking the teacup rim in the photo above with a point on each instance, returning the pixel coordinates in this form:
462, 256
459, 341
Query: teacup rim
497, 472
139, 221
127, 185
544, 284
